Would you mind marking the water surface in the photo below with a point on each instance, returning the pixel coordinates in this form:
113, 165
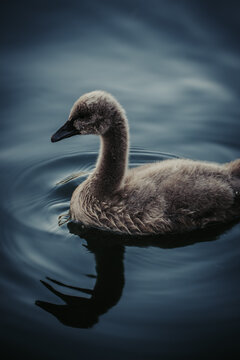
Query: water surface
68, 293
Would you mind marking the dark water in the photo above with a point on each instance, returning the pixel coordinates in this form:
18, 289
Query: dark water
175, 67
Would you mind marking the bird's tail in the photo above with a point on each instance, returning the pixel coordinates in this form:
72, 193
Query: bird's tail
234, 167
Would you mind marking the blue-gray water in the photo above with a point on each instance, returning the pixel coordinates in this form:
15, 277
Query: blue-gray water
174, 66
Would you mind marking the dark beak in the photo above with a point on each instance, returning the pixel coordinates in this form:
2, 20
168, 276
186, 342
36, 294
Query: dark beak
65, 131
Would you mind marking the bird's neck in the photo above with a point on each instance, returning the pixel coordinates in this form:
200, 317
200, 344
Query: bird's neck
112, 161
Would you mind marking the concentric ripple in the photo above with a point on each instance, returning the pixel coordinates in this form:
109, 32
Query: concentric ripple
43, 191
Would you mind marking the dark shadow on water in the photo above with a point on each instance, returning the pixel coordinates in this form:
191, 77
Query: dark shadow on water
109, 239
83, 312
108, 249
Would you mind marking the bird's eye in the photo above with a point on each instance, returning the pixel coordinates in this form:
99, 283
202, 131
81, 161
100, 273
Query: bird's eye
84, 115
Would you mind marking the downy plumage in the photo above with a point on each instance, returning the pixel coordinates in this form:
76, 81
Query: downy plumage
174, 195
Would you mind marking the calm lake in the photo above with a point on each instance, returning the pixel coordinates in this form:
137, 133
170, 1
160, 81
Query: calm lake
71, 294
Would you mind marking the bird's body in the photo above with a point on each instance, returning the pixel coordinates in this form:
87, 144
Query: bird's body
170, 196
174, 195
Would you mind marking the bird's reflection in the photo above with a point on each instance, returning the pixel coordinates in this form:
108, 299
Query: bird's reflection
83, 312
